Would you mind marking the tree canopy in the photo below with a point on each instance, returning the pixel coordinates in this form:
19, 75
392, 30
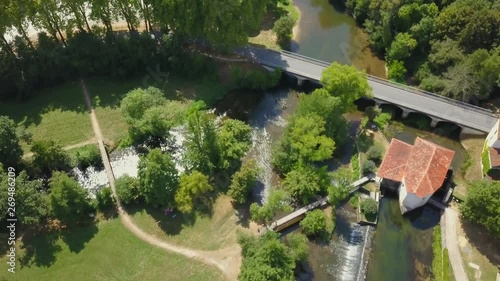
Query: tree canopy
158, 178
277, 201
314, 223
10, 150
482, 205
192, 187
242, 181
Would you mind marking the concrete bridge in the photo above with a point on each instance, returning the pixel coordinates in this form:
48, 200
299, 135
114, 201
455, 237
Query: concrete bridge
471, 119
299, 214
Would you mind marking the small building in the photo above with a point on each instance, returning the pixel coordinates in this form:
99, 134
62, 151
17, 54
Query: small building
491, 151
415, 171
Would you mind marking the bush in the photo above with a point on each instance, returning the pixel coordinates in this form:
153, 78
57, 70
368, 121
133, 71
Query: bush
369, 206
397, 71
255, 79
86, 156
368, 167
314, 223
485, 159
375, 153
355, 163
104, 198
127, 189
283, 28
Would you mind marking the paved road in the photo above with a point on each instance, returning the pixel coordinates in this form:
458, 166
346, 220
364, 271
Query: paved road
451, 219
432, 105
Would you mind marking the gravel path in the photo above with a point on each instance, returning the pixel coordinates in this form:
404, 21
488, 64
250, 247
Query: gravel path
451, 219
68, 147
227, 260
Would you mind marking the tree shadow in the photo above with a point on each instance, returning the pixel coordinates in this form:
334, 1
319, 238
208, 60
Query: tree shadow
40, 250
487, 244
76, 238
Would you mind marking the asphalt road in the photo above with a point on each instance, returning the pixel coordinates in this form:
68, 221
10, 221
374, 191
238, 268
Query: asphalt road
437, 107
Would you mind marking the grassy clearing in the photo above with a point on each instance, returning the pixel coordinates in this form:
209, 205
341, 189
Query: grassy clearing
106, 251
441, 268
201, 232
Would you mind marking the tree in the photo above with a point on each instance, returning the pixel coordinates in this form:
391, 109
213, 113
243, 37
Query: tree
242, 181
135, 104
397, 71
401, 47
369, 206
104, 198
444, 54
127, 189
330, 108
297, 243
266, 259
152, 128
101, 10
304, 142
10, 150
345, 82
304, 182
202, 147
482, 205
51, 15
191, 188
375, 153
368, 167
314, 223
79, 10
49, 156
28, 194
234, 139
339, 190
278, 201
382, 119
69, 202
158, 178
283, 28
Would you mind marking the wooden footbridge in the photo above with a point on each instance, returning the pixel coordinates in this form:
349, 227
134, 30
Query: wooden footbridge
299, 214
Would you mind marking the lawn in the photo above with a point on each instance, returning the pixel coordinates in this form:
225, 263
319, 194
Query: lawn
106, 251
205, 233
59, 113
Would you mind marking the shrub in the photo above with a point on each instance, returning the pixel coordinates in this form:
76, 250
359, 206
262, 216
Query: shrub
375, 153
485, 159
255, 79
369, 206
86, 156
283, 28
397, 71
355, 163
104, 198
127, 189
314, 223
368, 167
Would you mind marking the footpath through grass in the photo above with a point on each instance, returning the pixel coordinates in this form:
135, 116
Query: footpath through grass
59, 113
198, 231
106, 251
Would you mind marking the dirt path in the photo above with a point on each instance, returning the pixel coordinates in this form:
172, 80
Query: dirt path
227, 260
68, 147
451, 219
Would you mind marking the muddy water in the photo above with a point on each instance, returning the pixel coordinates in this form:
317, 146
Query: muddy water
325, 32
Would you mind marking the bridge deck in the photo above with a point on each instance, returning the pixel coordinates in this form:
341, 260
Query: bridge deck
284, 222
410, 98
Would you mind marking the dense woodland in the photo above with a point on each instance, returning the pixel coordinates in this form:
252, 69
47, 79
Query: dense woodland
444, 46
69, 46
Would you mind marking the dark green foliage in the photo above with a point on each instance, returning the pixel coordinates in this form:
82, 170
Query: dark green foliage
266, 259
283, 28
127, 189
158, 178
278, 201
192, 188
314, 223
104, 198
368, 167
339, 190
69, 202
243, 181
86, 156
49, 156
482, 205
304, 182
299, 249
234, 139
375, 153
259, 79
29, 195
10, 150
369, 206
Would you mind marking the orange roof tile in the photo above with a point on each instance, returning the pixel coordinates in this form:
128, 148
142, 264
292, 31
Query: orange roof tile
423, 165
394, 163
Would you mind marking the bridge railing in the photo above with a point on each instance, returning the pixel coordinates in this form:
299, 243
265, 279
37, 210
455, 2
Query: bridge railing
400, 86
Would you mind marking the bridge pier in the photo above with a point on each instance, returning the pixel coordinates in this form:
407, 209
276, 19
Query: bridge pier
469, 131
434, 122
405, 113
300, 81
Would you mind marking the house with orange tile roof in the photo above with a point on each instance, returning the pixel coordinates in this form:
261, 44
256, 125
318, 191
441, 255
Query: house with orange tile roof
417, 171
492, 148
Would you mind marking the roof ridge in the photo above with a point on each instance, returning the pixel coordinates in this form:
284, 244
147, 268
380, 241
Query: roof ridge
434, 148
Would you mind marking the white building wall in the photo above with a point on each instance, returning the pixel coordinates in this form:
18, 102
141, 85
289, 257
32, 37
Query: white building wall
409, 201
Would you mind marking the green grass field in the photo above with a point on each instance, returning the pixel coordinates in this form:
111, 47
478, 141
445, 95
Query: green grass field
106, 251
59, 113
206, 233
